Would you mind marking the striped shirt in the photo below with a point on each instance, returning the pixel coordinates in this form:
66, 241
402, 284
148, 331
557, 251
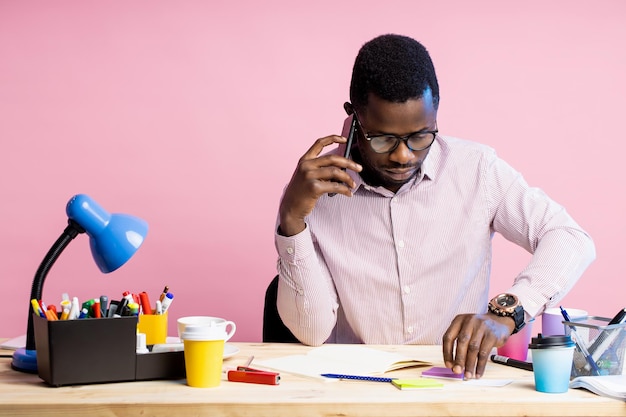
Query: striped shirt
387, 268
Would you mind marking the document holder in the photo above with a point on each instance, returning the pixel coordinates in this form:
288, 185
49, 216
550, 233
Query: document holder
604, 344
88, 351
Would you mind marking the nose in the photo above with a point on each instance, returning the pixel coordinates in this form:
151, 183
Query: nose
402, 154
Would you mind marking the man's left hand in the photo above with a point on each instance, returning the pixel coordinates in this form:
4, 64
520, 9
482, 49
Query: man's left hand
474, 336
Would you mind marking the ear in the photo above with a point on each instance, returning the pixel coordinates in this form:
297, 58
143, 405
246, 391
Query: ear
347, 106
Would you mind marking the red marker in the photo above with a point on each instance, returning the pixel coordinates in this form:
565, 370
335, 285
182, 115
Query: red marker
146, 307
95, 308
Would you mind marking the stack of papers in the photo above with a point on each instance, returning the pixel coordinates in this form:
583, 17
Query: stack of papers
613, 386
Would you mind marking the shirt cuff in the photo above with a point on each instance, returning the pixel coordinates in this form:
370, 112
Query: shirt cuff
296, 247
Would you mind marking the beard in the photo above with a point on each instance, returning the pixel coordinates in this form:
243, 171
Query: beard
375, 175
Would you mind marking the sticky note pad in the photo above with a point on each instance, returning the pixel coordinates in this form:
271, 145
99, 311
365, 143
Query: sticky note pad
441, 372
419, 383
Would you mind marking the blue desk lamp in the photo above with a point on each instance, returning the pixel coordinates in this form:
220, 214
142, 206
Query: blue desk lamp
113, 238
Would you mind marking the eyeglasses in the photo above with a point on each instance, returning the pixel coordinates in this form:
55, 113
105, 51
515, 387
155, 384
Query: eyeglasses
387, 143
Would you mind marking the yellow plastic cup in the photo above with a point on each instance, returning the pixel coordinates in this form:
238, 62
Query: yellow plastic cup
204, 355
154, 326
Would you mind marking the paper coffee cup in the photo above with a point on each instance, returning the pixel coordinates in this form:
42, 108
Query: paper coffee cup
204, 352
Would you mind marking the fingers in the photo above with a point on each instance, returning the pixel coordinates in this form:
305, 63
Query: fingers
315, 176
468, 343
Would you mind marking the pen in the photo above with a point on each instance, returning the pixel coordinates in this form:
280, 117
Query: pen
359, 377
164, 293
504, 360
581, 344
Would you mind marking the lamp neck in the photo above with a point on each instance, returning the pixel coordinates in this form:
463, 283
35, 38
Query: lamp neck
71, 231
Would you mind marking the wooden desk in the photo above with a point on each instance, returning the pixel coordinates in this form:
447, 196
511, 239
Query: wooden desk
26, 395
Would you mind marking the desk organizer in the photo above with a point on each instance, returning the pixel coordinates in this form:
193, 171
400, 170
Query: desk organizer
606, 345
89, 351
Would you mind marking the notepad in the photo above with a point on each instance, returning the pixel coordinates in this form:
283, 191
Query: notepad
341, 359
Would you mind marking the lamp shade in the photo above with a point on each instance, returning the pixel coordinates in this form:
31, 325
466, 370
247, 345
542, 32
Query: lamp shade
113, 238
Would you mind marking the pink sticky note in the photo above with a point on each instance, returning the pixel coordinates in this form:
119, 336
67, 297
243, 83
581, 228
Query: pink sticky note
441, 372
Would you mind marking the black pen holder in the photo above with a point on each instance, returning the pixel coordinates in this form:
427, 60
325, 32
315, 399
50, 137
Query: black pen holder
88, 351
604, 343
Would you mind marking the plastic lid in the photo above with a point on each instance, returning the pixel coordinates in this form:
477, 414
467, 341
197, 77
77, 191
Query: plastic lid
547, 342
204, 332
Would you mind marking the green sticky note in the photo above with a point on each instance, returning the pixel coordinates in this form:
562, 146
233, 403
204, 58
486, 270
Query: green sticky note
418, 383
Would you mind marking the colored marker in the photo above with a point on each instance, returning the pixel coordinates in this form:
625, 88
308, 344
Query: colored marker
37, 308
146, 308
84, 313
66, 313
74, 309
104, 301
159, 308
167, 301
95, 309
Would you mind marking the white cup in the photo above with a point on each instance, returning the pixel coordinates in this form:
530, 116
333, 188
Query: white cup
214, 322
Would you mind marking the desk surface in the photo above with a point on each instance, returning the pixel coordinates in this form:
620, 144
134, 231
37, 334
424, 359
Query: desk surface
27, 395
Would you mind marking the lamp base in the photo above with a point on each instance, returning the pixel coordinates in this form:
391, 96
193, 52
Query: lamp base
25, 361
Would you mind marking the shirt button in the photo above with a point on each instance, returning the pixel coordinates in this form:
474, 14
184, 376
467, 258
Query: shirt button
406, 289
300, 291
401, 244
409, 329
290, 251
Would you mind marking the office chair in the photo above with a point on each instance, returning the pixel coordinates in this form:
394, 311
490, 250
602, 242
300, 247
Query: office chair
274, 330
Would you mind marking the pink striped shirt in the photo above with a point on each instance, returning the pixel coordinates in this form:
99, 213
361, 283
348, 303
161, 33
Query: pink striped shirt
387, 268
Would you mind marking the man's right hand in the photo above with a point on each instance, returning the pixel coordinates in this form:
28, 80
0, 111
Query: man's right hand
314, 176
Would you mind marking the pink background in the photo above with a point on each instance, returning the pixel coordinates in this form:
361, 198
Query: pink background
192, 115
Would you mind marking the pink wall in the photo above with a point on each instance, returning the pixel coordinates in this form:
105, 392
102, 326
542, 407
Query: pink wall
192, 114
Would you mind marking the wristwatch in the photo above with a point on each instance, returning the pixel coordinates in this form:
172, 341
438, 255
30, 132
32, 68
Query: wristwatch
508, 305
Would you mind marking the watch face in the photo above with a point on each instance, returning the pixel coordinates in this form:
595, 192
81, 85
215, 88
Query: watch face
506, 300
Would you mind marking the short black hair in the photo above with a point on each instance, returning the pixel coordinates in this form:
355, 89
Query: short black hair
396, 68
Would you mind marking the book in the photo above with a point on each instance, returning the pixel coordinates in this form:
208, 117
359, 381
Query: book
341, 359
613, 386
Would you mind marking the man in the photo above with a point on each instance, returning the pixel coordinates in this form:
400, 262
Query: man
394, 245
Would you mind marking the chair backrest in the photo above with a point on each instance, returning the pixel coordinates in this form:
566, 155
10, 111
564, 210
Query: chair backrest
274, 330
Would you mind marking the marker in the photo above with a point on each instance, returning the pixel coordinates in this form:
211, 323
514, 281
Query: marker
159, 308
84, 313
167, 301
504, 360
112, 308
104, 301
37, 308
134, 309
123, 305
74, 309
95, 308
66, 313
146, 308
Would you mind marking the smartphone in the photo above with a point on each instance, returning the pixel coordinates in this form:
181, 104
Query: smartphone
349, 128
